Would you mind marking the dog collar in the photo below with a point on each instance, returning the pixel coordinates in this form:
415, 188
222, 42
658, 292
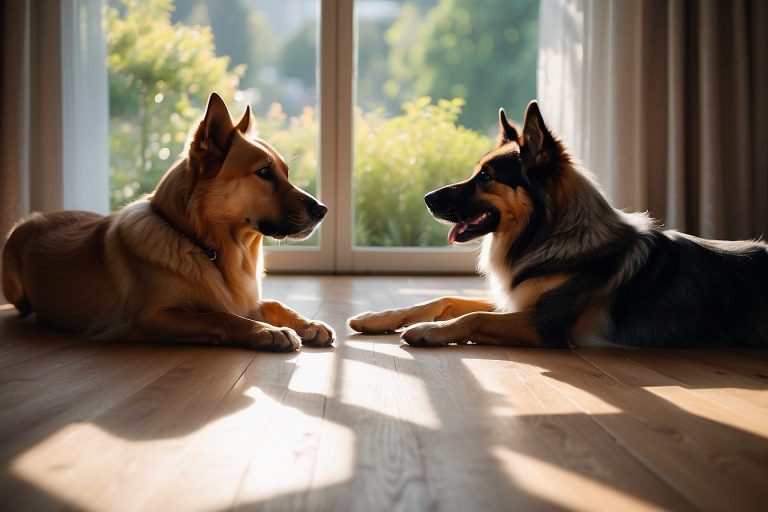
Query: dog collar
211, 253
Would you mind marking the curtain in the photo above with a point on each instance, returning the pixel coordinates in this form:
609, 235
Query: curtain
665, 101
30, 127
31, 132
53, 122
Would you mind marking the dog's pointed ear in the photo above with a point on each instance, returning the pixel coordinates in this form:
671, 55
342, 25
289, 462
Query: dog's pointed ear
245, 123
536, 137
507, 131
217, 124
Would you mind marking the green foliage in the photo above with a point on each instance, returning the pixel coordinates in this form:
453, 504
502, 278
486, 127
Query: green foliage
398, 160
484, 51
299, 55
160, 76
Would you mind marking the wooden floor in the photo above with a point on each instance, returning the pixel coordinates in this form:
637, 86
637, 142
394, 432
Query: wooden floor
376, 425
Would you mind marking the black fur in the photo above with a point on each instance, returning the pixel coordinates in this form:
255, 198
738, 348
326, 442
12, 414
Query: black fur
650, 287
695, 293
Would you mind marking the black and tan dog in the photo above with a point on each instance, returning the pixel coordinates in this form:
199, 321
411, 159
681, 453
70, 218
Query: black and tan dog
565, 268
185, 263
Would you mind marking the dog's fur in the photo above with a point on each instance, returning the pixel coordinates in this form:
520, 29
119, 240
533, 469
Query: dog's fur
183, 264
565, 268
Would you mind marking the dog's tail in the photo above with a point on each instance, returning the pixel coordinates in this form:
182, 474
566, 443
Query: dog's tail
13, 288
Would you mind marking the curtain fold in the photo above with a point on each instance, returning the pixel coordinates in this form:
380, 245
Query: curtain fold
14, 102
30, 122
30, 94
53, 122
665, 102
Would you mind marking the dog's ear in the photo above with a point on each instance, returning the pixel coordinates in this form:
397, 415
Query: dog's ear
245, 123
537, 139
507, 131
217, 125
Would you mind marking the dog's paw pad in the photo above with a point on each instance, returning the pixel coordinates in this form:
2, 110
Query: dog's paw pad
425, 334
416, 342
358, 322
374, 323
318, 334
280, 339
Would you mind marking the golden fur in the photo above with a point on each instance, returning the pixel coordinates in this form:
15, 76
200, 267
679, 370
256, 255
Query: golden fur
142, 273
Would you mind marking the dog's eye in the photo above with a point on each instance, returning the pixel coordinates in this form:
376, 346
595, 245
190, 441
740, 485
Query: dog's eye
484, 175
264, 172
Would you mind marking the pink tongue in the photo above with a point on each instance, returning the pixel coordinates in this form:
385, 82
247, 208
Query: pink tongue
455, 231
461, 227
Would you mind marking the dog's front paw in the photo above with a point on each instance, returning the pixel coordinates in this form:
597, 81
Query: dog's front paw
429, 334
375, 323
318, 334
277, 339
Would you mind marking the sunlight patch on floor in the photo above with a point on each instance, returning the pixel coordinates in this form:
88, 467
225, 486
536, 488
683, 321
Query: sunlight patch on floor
387, 369
700, 403
529, 473
74, 464
441, 292
386, 393
519, 388
303, 297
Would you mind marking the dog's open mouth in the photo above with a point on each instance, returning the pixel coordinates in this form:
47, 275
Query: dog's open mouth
479, 225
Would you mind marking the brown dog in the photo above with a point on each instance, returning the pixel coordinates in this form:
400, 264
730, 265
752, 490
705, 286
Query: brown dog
183, 264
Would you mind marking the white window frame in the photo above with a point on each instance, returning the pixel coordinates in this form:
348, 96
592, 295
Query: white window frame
337, 252
85, 123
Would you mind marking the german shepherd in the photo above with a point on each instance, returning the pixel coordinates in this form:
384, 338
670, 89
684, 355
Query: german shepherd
567, 269
182, 264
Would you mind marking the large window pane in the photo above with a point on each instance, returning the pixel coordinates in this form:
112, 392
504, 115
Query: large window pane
166, 57
431, 76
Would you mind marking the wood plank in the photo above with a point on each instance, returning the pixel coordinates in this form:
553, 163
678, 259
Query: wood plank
589, 469
31, 409
752, 364
283, 458
21, 339
740, 401
373, 424
524, 443
370, 415
116, 461
215, 459
687, 451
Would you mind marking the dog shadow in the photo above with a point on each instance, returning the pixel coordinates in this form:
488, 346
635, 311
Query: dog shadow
553, 440
414, 465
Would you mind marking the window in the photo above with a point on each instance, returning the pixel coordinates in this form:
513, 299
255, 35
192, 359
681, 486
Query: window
374, 103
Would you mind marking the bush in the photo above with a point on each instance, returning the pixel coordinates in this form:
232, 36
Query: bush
400, 159
160, 76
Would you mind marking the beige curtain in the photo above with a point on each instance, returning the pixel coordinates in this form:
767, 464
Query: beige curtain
666, 102
53, 122
30, 140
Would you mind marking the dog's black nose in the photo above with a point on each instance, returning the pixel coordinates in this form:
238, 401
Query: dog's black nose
431, 199
317, 210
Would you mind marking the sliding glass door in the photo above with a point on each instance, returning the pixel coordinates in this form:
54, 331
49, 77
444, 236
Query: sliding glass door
373, 103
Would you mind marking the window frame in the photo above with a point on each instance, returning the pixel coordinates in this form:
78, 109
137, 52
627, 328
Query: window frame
337, 252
